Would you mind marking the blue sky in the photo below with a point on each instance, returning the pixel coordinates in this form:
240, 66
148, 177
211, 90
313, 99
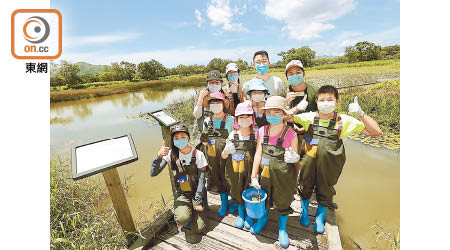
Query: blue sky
188, 32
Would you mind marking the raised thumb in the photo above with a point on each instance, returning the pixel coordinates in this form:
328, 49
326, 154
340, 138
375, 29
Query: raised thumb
163, 143
355, 100
305, 98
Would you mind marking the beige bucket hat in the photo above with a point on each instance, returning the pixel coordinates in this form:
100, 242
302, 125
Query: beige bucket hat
277, 102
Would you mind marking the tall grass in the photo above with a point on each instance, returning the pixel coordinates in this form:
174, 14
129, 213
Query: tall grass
75, 221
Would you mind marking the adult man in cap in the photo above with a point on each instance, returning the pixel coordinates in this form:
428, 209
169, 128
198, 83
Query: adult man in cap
261, 64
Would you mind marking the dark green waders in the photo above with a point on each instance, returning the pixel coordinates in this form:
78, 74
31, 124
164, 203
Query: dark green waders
216, 139
323, 161
186, 178
239, 175
278, 178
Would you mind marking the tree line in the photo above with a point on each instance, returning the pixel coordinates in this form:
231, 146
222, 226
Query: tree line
68, 74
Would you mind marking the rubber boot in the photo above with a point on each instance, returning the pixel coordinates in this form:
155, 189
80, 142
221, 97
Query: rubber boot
241, 216
233, 207
319, 225
304, 219
283, 237
224, 206
261, 223
187, 224
248, 223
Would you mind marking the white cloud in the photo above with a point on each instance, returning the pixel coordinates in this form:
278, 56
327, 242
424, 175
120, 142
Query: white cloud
198, 16
305, 19
336, 47
78, 41
221, 14
172, 57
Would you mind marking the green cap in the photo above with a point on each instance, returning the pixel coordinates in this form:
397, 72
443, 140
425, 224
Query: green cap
213, 74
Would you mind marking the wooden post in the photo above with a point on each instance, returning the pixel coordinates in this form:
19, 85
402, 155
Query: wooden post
119, 200
166, 136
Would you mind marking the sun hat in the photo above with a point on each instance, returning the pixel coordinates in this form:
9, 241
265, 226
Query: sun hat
257, 84
179, 128
215, 96
277, 102
231, 66
213, 74
244, 108
292, 64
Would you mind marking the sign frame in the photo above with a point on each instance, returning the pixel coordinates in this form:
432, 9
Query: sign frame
162, 122
78, 176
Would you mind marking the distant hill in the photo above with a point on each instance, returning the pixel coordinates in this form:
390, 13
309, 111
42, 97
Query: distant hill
86, 68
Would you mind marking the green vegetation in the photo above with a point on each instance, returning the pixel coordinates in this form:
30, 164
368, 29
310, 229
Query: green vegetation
382, 102
75, 219
103, 90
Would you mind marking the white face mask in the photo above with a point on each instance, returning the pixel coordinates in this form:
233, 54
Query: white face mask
216, 108
214, 87
257, 97
326, 107
245, 122
233, 88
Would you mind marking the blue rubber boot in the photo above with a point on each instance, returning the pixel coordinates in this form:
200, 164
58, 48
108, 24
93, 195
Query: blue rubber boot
224, 206
248, 223
304, 219
261, 223
241, 216
233, 207
187, 224
283, 237
319, 225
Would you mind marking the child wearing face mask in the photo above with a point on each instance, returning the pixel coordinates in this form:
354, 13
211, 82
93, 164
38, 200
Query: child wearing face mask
275, 156
214, 82
324, 150
188, 166
233, 91
241, 144
216, 129
257, 91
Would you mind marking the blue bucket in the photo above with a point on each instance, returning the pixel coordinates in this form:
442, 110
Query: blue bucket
254, 209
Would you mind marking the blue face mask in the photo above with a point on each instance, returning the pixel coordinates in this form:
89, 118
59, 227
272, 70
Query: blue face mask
295, 79
274, 120
262, 68
233, 77
180, 143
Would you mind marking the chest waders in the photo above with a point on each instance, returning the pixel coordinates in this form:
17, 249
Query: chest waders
186, 181
278, 178
239, 175
323, 160
216, 139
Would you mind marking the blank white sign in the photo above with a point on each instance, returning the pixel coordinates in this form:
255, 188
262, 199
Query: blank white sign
102, 153
166, 119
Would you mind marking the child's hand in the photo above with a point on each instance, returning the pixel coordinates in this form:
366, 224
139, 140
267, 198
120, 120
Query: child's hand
229, 148
290, 156
303, 104
164, 150
255, 183
354, 108
199, 208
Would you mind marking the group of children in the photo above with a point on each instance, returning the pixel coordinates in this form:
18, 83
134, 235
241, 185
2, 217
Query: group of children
262, 135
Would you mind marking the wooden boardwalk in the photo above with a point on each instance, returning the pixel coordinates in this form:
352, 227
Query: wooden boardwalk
222, 234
